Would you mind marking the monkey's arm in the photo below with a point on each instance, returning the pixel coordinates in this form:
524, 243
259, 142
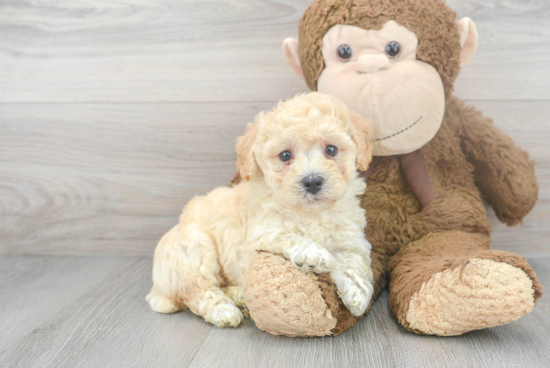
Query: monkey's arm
416, 171
503, 171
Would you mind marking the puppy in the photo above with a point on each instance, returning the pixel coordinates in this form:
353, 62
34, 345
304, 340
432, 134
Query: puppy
299, 197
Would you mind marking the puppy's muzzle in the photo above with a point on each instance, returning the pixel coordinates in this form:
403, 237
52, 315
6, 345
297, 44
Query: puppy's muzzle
313, 183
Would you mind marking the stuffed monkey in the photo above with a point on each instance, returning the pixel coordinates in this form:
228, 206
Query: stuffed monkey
395, 62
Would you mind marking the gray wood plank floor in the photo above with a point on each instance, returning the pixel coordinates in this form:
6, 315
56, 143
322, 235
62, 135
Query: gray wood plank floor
114, 113
90, 312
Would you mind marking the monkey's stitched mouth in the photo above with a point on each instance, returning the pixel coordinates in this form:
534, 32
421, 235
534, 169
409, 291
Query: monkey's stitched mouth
399, 132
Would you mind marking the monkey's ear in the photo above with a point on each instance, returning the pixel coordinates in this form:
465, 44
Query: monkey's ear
468, 39
246, 162
291, 51
361, 133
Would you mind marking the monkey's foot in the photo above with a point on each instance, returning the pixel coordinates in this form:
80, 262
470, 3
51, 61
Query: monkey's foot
484, 292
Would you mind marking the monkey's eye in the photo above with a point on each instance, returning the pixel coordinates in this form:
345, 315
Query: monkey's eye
331, 151
393, 49
344, 52
285, 156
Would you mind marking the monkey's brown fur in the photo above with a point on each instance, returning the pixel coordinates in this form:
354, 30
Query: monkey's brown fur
467, 150
431, 20
468, 158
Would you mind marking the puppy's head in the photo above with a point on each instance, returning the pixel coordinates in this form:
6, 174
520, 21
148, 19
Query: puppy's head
307, 150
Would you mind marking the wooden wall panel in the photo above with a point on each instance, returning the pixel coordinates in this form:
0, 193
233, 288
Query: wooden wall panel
112, 178
114, 114
224, 50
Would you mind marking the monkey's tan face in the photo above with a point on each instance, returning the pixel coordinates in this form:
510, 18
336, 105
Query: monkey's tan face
376, 73
308, 162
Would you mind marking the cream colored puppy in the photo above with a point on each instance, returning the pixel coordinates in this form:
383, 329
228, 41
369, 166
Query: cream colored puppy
299, 197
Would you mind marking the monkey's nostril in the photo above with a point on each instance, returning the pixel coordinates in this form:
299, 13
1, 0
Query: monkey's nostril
313, 183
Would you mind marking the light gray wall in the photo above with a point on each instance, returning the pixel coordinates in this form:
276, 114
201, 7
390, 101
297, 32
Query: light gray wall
114, 114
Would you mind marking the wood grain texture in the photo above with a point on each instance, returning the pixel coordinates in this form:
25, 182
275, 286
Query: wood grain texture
35, 288
109, 324
85, 177
109, 178
113, 178
224, 50
114, 113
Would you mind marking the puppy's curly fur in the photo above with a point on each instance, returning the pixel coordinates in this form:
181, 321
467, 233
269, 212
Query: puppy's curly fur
200, 263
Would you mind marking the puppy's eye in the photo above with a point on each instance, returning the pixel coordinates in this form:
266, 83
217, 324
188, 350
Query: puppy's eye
344, 52
393, 49
285, 156
331, 151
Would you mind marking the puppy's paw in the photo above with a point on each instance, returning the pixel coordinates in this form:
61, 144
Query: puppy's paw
355, 300
225, 314
310, 256
161, 304
354, 297
236, 294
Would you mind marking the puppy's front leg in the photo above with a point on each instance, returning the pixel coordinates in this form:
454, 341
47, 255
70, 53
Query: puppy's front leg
353, 278
304, 253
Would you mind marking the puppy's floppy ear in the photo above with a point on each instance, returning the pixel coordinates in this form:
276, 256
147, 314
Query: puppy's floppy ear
245, 157
361, 133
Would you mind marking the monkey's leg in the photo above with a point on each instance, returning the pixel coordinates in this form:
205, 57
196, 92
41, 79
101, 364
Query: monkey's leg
449, 283
286, 300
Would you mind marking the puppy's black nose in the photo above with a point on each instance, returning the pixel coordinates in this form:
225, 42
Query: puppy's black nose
313, 183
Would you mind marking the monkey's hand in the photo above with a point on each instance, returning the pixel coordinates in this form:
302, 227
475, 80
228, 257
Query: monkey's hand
503, 171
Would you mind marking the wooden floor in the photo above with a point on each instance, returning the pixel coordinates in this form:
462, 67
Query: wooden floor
90, 312
114, 113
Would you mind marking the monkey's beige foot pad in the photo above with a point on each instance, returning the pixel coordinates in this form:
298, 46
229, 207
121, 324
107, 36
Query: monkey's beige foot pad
285, 300
482, 293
